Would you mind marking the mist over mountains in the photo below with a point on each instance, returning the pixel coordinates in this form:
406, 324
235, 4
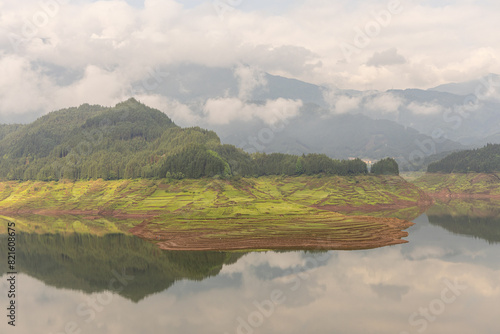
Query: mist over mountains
260, 112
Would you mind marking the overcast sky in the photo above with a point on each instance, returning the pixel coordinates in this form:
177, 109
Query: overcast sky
60, 53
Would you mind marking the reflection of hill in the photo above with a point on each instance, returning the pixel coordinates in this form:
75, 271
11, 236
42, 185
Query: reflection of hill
477, 218
487, 228
87, 262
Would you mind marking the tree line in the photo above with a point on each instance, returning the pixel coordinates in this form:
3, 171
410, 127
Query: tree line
132, 140
481, 160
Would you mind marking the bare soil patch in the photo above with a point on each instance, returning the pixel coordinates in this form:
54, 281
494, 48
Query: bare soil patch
346, 236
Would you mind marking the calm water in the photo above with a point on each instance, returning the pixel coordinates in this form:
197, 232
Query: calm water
446, 280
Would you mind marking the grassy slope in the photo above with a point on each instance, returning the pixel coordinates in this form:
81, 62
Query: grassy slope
251, 213
265, 206
207, 198
472, 184
68, 224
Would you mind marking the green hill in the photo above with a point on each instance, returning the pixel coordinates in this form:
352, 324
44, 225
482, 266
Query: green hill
482, 160
132, 140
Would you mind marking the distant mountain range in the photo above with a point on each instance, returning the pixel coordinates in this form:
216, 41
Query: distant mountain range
464, 113
258, 111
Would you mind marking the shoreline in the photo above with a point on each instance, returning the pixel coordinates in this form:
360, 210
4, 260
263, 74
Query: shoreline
253, 213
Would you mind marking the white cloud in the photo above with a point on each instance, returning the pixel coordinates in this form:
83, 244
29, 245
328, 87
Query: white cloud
341, 104
249, 79
226, 110
346, 104
22, 88
301, 41
385, 103
425, 108
180, 113
97, 86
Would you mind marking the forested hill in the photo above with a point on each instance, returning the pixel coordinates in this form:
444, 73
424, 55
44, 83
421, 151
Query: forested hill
132, 140
482, 160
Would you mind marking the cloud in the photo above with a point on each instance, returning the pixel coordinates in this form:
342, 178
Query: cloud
288, 60
98, 86
225, 110
114, 39
249, 79
385, 103
23, 89
425, 108
180, 113
377, 103
385, 58
340, 103
346, 104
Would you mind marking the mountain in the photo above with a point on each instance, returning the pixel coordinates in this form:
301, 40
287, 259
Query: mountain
127, 140
132, 140
250, 102
194, 84
317, 130
6, 129
469, 87
449, 111
465, 119
465, 112
483, 160
495, 138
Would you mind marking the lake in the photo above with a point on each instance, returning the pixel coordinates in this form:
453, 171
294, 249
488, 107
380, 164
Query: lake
445, 280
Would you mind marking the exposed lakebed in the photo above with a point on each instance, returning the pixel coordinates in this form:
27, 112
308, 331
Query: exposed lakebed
65, 279
241, 214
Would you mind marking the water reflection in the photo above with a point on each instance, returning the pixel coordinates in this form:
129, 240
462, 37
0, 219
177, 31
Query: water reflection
95, 263
439, 282
477, 218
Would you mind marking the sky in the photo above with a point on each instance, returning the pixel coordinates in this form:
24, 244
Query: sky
60, 53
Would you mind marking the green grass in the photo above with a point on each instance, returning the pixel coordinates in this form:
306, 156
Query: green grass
467, 183
265, 207
207, 198
68, 224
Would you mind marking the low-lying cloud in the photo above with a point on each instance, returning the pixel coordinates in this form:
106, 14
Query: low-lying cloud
380, 104
226, 110
249, 79
386, 103
425, 108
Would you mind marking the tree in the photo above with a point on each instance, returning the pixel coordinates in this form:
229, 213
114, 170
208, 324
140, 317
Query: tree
387, 166
299, 166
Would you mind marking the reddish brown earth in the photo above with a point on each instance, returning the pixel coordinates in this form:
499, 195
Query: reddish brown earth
389, 233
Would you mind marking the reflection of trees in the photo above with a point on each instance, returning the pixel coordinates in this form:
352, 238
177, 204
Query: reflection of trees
478, 218
86, 262
487, 228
